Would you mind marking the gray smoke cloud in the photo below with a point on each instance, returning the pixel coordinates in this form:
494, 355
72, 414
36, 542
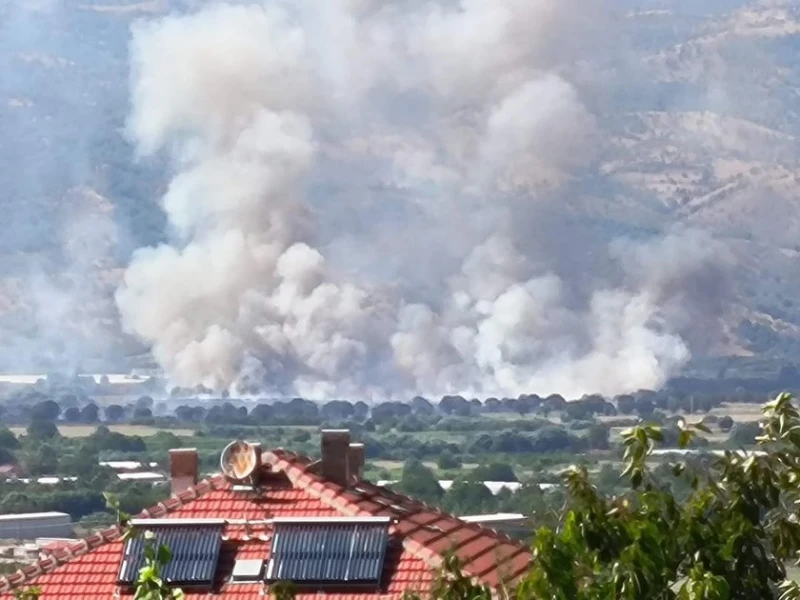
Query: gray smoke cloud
60, 228
464, 118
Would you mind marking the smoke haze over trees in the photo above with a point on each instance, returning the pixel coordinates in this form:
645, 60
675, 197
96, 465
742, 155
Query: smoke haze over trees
375, 198
249, 290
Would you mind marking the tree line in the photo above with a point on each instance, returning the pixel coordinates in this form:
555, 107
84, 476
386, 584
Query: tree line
21, 408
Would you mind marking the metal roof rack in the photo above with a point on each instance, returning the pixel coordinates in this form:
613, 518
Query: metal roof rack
177, 522
330, 520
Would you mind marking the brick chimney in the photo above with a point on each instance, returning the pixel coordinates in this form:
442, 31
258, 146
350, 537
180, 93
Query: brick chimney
335, 455
183, 468
257, 448
355, 462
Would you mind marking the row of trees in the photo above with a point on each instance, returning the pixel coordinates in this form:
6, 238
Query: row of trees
418, 414
21, 407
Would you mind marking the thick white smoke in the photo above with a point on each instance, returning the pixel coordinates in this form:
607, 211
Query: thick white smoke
466, 110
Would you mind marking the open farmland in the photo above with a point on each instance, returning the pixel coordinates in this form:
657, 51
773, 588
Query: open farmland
79, 431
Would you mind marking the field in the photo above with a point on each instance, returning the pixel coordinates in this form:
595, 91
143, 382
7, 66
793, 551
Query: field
739, 412
78, 431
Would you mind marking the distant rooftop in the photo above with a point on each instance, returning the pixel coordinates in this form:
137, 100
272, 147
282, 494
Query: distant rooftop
494, 486
125, 465
113, 378
689, 451
141, 476
495, 518
40, 515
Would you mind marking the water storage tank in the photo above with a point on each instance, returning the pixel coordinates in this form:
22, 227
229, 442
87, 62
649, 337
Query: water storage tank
29, 526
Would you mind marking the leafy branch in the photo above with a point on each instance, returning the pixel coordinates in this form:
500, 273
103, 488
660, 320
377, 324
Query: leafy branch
29, 593
149, 584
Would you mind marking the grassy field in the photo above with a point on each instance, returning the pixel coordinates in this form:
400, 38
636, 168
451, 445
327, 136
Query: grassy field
77, 431
740, 412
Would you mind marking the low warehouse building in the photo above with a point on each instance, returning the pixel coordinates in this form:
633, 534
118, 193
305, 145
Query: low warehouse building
29, 526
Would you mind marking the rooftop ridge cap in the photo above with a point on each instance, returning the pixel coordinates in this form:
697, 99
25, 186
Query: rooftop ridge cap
474, 526
297, 472
109, 536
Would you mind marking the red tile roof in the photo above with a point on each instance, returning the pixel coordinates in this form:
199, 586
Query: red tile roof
8, 469
421, 534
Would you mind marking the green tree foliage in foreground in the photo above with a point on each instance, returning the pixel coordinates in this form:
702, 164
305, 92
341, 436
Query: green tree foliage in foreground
730, 539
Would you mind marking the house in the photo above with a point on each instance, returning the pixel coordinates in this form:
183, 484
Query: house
315, 523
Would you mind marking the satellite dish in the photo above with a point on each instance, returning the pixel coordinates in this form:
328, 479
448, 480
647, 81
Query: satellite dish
238, 460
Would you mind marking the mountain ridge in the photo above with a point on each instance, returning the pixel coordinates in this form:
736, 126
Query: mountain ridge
714, 146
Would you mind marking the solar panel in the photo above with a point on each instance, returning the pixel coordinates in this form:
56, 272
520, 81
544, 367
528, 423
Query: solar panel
195, 551
329, 551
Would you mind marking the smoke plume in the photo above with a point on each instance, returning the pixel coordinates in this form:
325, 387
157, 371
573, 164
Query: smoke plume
350, 179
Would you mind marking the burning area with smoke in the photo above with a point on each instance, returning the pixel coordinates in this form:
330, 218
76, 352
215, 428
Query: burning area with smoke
362, 206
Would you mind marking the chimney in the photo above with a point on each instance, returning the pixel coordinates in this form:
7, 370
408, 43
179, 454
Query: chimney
257, 448
335, 455
257, 471
355, 461
183, 468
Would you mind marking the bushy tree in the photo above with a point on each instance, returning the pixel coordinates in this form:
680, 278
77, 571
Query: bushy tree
144, 402
494, 472
336, 410
141, 413
448, 460
7, 456
729, 539
42, 461
469, 498
419, 482
8, 439
745, 434
72, 414
90, 413
626, 405
42, 429
48, 410
597, 437
454, 405
422, 406
114, 413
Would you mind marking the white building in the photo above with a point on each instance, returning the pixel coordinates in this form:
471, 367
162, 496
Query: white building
145, 476
700, 451
48, 480
125, 465
494, 486
29, 526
